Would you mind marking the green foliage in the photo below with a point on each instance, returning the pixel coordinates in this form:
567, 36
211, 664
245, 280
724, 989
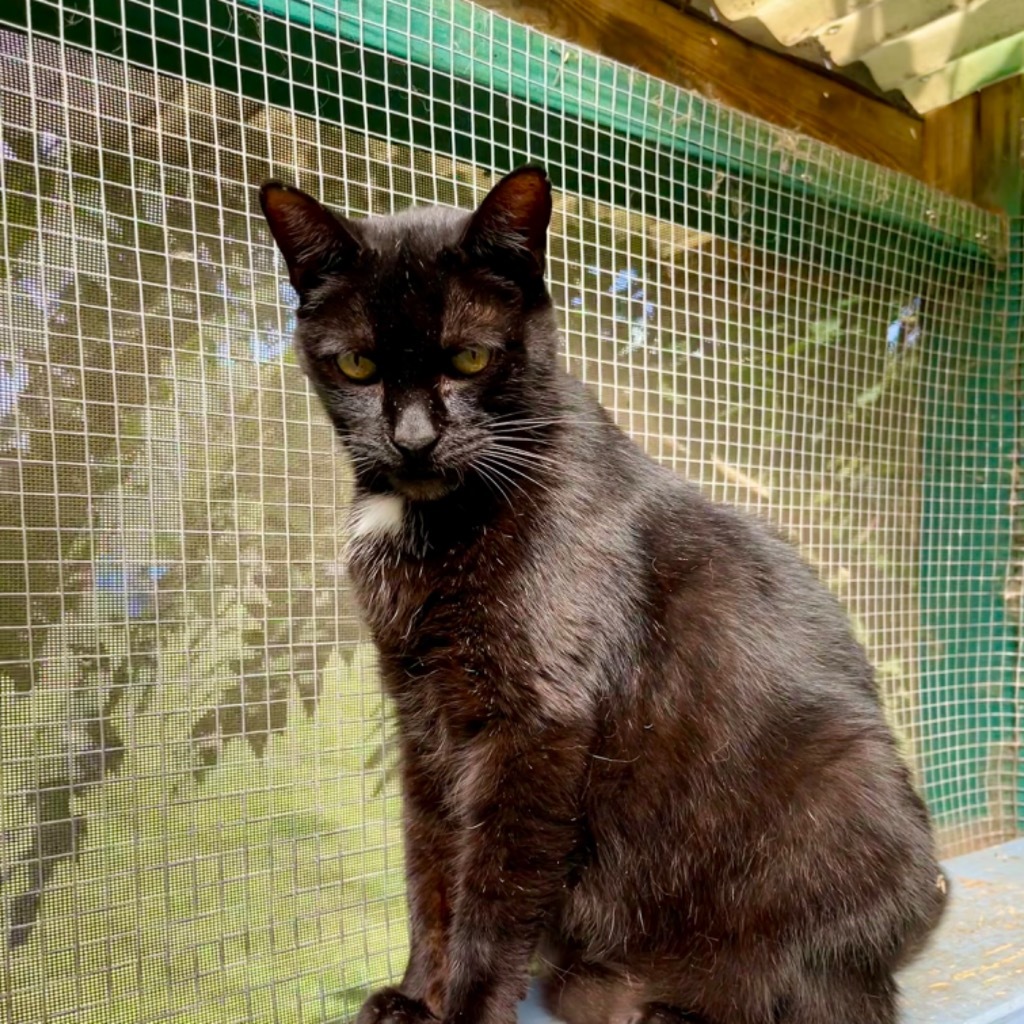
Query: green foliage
172, 608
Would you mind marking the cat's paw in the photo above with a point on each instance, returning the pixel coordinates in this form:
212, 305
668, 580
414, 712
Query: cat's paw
391, 1006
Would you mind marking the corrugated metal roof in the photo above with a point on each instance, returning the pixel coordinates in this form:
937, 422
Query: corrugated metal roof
931, 51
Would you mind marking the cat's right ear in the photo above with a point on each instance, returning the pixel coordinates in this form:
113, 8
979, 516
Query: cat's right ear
510, 226
314, 242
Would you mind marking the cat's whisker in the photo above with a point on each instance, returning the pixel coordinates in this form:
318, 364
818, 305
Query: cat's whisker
503, 474
362, 462
491, 459
521, 446
525, 429
526, 456
528, 438
525, 463
510, 436
505, 468
522, 475
490, 481
468, 451
564, 418
498, 428
502, 470
518, 417
523, 472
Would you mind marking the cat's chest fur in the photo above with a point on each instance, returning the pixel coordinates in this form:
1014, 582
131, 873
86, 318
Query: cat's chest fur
405, 578
450, 648
501, 619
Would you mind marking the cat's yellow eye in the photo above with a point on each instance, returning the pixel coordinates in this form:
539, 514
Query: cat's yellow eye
471, 360
357, 367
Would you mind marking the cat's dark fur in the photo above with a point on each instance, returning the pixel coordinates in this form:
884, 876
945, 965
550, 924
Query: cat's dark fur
638, 739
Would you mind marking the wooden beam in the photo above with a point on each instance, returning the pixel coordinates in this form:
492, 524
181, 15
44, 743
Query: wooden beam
651, 36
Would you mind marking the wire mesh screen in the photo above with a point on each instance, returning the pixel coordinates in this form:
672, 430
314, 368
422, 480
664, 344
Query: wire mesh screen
200, 818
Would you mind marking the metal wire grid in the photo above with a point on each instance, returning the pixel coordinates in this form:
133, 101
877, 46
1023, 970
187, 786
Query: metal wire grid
194, 775
1011, 768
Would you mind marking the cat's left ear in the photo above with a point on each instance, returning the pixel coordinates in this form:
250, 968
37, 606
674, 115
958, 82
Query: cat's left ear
314, 242
511, 224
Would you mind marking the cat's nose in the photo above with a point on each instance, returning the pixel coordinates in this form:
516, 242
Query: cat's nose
415, 433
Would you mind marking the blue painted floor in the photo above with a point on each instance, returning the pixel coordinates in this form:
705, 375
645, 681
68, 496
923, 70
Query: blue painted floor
973, 971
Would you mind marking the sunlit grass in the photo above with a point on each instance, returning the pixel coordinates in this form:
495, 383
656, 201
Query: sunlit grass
270, 891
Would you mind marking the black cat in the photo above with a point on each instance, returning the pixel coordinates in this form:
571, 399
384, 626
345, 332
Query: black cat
639, 742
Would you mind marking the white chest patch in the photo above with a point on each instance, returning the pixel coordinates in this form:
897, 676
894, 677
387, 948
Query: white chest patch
378, 515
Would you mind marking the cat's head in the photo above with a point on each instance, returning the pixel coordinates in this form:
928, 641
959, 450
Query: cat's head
428, 335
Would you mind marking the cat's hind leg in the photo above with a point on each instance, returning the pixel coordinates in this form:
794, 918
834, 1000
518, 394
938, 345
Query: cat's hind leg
854, 997
578, 993
832, 999
596, 996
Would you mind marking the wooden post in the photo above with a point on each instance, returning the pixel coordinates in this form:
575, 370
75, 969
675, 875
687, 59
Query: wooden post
999, 153
972, 148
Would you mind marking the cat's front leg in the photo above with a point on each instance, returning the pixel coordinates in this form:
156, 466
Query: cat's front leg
519, 813
429, 871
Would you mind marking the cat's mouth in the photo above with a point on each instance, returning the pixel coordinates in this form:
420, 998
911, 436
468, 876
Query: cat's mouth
420, 487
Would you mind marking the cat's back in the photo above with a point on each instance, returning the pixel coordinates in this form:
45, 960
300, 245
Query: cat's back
705, 576
752, 590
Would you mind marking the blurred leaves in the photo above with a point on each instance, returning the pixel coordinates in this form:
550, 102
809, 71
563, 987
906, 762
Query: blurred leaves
167, 510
